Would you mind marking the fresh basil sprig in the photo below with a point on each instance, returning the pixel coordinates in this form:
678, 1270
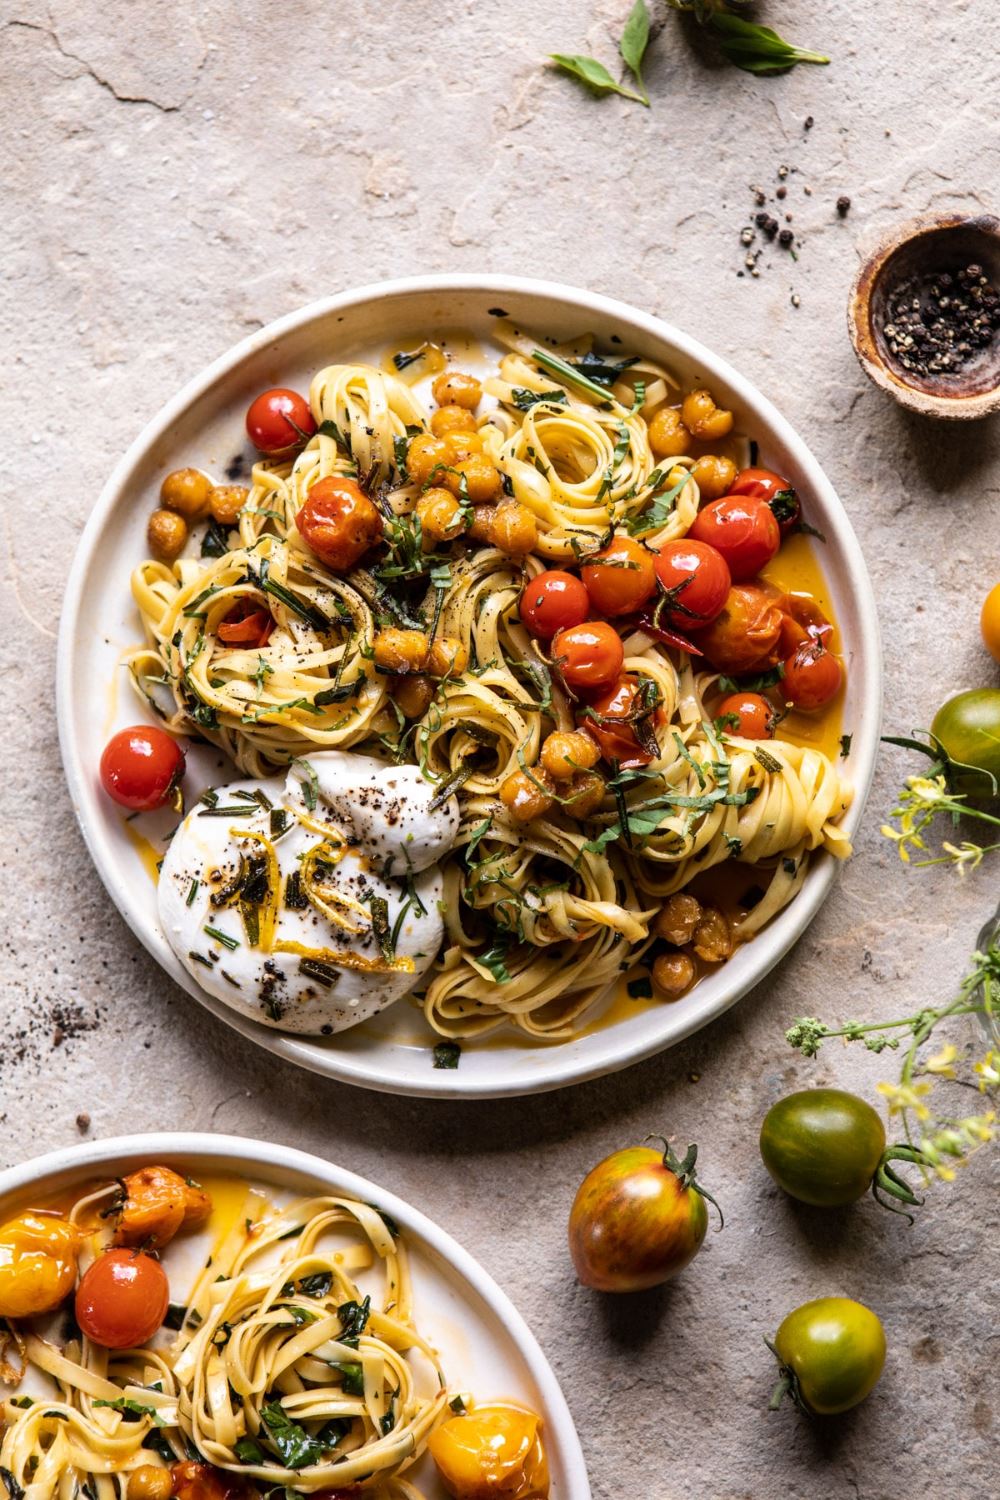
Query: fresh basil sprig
747, 45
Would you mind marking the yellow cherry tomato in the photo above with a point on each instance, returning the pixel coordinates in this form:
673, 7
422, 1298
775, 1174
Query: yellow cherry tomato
37, 1264
492, 1453
989, 621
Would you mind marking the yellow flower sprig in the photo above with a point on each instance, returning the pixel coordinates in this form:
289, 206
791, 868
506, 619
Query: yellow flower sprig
937, 1143
923, 799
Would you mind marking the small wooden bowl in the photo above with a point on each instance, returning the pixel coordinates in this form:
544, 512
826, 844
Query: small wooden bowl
927, 245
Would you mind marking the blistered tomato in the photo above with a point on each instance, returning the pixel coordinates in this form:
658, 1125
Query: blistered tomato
742, 529
753, 715
489, 1452
141, 767
37, 1264
776, 492
553, 601
122, 1299
338, 522
612, 720
746, 635
695, 581
812, 676
588, 656
621, 577
279, 421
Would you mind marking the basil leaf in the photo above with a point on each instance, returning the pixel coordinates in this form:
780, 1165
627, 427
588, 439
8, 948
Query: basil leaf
593, 75
447, 1055
635, 40
757, 49
295, 1447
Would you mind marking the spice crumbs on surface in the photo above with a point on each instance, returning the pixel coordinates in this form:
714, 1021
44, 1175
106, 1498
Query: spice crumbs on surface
83, 1122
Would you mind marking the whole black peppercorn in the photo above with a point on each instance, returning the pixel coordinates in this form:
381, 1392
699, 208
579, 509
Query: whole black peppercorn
786, 238
843, 205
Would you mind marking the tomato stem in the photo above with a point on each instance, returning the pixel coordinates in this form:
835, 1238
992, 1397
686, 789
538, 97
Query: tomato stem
781, 1390
886, 1180
683, 1170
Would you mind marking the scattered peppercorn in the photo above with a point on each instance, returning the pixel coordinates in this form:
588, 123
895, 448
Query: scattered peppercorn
843, 205
786, 239
781, 192
937, 322
767, 223
808, 123
83, 1122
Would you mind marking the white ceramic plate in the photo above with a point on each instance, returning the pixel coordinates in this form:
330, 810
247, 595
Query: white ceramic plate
203, 426
484, 1343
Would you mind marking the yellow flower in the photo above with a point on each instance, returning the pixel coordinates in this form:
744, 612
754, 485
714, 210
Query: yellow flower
903, 1096
988, 1070
941, 1062
966, 857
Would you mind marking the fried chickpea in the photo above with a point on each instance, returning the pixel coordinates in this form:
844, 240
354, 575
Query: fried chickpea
564, 752
448, 657
400, 651
513, 529
225, 503
713, 940
186, 491
703, 419
149, 1482
526, 797
713, 475
425, 454
462, 445
412, 695
441, 517
166, 533
673, 973
677, 919
452, 419
482, 522
668, 437
585, 794
482, 479
454, 388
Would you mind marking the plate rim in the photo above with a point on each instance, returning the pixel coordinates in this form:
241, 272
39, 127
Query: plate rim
164, 1143
561, 1068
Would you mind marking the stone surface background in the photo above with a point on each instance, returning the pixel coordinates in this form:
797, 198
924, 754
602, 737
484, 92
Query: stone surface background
178, 175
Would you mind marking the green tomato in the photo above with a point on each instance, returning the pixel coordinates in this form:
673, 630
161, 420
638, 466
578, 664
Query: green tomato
831, 1353
968, 726
823, 1146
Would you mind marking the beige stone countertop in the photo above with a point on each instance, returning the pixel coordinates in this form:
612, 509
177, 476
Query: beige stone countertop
177, 176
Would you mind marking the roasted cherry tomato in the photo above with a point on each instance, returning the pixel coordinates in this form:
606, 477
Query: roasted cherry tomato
753, 713
553, 601
777, 493
588, 656
812, 676
122, 1299
621, 577
637, 1220
742, 529
695, 581
491, 1451
823, 1146
37, 1264
831, 1353
989, 622
968, 727
247, 624
141, 767
619, 741
339, 523
746, 636
193, 1480
279, 421
158, 1202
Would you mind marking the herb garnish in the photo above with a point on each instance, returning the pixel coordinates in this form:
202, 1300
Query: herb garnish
447, 1055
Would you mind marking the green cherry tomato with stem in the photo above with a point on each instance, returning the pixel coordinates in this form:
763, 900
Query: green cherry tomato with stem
831, 1352
638, 1219
968, 729
827, 1147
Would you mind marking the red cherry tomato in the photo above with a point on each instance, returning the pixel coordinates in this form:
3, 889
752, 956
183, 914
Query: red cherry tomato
621, 577
339, 523
742, 529
695, 581
247, 624
279, 421
553, 601
754, 716
193, 1480
588, 656
618, 741
777, 493
746, 636
812, 676
122, 1299
141, 767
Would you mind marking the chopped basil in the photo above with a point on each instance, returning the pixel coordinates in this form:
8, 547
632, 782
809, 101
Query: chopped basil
447, 1055
640, 989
